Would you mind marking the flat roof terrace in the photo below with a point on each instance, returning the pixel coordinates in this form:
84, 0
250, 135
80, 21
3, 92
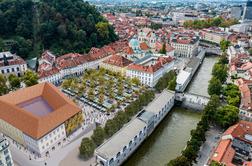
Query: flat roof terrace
147, 61
37, 106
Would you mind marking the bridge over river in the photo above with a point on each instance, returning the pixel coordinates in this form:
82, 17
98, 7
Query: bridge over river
192, 93
170, 137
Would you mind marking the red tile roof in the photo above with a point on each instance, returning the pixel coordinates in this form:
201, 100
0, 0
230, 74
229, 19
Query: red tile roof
144, 46
32, 125
247, 163
15, 61
224, 153
240, 130
118, 60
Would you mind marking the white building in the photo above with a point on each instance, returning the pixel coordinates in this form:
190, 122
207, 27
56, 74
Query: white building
184, 16
233, 51
5, 155
241, 28
185, 44
66, 65
185, 75
12, 64
39, 118
122, 144
236, 12
213, 35
150, 69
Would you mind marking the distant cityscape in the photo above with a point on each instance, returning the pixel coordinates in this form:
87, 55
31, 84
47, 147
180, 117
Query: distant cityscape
126, 82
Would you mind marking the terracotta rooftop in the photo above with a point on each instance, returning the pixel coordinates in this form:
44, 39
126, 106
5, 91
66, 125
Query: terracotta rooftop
240, 130
118, 60
224, 153
144, 46
12, 59
29, 123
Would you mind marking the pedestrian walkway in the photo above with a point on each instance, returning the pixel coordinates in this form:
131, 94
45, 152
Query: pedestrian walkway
212, 137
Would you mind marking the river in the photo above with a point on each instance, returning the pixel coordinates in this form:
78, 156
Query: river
170, 137
200, 82
167, 141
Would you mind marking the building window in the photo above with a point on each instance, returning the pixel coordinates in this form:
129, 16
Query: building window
7, 158
8, 70
111, 161
12, 69
6, 152
118, 154
124, 148
140, 133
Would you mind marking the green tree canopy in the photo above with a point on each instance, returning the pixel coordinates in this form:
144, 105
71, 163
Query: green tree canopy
60, 26
163, 49
227, 116
250, 51
179, 161
3, 86
224, 45
98, 136
87, 148
220, 72
214, 87
30, 78
14, 82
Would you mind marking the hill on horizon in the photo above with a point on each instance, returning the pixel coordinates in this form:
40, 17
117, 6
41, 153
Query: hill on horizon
28, 27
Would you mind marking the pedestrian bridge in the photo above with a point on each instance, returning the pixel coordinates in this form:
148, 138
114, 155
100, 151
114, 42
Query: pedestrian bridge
215, 51
192, 100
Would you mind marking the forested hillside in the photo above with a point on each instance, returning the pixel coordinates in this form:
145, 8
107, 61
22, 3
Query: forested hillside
28, 27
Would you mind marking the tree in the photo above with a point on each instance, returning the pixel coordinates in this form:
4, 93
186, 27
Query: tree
136, 81
66, 84
163, 49
14, 82
223, 59
250, 51
120, 89
234, 101
30, 78
87, 148
214, 87
190, 153
215, 163
101, 98
103, 30
224, 44
226, 116
3, 85
91, 94
220, 72
179, 161
110, 127
63, 27
212, 107
172, 84
98, 136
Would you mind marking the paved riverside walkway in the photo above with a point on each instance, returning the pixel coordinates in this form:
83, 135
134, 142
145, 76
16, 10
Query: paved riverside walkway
213, 135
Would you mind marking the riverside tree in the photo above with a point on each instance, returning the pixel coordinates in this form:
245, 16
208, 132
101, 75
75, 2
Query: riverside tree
87, 148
